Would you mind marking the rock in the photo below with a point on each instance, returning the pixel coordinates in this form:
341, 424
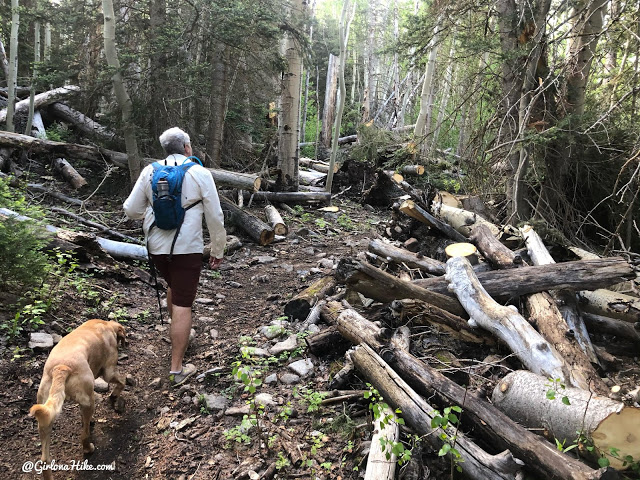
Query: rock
192, 335
285, 346
234, 284
302, 273
214, 403
413, 245
326, 263
263, 259
271, 379
213, 333
237, 411
161, 328
264, 399
289, 379
206, 319
205, 301
220, 296
287, 267
130, 380
40, 341
302, 367
308, 251
253, 351
163, 423
56, 338
100, 386
313, 328
184, 423
155, 383
186, 399
272, 331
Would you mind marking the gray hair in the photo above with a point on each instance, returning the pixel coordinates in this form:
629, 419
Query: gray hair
174, 140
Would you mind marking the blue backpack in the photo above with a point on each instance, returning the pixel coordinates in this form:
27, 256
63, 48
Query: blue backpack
166, 185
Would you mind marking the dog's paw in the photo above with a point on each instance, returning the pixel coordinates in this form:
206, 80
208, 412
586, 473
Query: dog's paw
118, 403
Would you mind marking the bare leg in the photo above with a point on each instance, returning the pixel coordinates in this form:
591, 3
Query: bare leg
180, 330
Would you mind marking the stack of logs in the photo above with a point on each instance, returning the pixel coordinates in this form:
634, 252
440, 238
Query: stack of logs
558, 389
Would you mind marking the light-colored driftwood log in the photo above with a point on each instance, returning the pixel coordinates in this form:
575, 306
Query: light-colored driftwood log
504, 322
462, 220
83, 123
69, 173
300, 305
412, 170
402, 256
578, 275
609, 424
488, 422
412, 209
384, 287
113, 248
612, 326
260, 232
416, 312
294, 198
610, 304
243, 181
417, 413
41, 100
317, 165
540, 256
311, 177
98, 226
275, 220
381, 463
492, 249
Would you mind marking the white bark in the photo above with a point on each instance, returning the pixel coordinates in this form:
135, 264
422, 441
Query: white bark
379, 467
41, 100
421, 128
275, 220
4, 63
13, 65
32, 94
289, 114
330, 99
122, 97
503, 322
523, 397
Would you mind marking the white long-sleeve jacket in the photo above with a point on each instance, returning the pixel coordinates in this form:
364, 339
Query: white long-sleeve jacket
197, 185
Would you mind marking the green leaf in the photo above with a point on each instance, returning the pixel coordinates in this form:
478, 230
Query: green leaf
551, 394
566, 400
603, 462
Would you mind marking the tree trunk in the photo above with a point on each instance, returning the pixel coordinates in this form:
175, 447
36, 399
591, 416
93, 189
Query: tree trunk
259, 231
578, 275
300, 305
475, 462
122, 97
293, 198
374, 283
83, 123
289, 114
32, 94
505, 322
345, 23
4, 63
330, 98
157, 65
381, 463
492, 249
12, 78
218, 103
402, 256
524, 397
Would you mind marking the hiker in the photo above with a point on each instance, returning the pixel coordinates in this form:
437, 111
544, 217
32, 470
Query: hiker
177, 253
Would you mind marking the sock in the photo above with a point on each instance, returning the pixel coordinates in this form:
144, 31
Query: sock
171, 372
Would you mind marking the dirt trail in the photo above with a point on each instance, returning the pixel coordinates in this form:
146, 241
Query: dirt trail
250, 291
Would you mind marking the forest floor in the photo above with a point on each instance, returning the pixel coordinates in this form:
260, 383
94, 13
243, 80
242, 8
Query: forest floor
167, 432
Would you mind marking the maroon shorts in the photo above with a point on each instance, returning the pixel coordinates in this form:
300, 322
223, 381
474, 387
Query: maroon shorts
182, 274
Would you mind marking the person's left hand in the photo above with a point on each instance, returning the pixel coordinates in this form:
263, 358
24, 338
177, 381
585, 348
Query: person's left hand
214, 263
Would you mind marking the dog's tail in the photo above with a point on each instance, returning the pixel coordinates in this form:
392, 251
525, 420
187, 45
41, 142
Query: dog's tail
47, 412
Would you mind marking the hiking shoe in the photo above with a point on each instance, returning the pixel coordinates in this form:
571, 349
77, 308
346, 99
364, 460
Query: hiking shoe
179, 378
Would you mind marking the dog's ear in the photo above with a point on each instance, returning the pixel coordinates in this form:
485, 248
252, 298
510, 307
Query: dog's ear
121, 335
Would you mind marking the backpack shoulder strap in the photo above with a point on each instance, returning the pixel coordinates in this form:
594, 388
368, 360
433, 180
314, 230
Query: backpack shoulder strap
196, 158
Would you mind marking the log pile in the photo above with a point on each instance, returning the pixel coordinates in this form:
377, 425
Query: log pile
548, 379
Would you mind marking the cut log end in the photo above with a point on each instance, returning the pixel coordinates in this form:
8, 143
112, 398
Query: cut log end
267, 237
466, 250
622, 432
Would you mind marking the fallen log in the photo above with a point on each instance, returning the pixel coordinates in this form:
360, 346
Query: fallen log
475, 463
402, 256
36, 187
384, 287
610, 304
40, 100
492, 249
612, 326
417, 313
578, 275
326, 341
113, 248
410, 208
69, 173
412, 170
504, 322
259, 231
494, 426
294, 198
524, 397
462, 220
317, 165
83, 123
98, 226
540, 256
243, 181
381, 462
275, 220
300, 305
313, 178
